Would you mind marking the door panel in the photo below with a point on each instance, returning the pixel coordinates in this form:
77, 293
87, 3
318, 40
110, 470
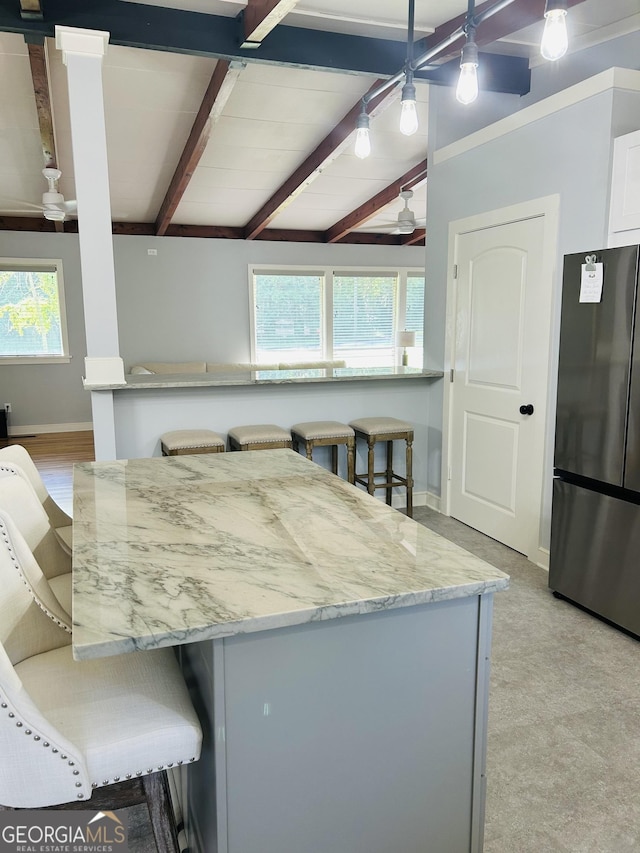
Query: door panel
496, 314
489, 442
595, 540
501, 363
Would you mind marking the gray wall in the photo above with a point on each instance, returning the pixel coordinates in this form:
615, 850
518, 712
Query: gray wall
49, 393
567, 153
191, 300
188, 302
448, 121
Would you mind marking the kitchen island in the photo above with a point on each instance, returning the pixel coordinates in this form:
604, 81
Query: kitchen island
336, 650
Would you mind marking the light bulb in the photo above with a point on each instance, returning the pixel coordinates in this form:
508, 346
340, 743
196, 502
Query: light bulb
362, 147
554, 42
467, 88
408, 117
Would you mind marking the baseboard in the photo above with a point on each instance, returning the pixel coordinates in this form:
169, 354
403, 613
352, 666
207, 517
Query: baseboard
541, 558
36, 429
399, 501
434, 501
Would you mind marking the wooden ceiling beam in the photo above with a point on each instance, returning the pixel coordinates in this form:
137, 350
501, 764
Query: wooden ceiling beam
41, 91
352, 220
208, 232
223, 79
260, 17
328, 150
31, 10
42, 94
198, 33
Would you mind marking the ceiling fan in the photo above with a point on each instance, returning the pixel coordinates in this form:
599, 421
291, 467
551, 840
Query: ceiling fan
406, 222
53, 206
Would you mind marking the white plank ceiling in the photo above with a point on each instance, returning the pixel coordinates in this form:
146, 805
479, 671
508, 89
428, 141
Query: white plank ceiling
274, 117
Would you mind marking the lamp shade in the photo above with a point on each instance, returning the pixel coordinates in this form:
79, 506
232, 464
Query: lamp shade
406, 339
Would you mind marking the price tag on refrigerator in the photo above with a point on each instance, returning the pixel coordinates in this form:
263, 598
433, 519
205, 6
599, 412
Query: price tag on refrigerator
591, 282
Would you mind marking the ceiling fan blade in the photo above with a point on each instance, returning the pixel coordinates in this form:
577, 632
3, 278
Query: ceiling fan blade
70, 206
385, 229
8, 200
19, 212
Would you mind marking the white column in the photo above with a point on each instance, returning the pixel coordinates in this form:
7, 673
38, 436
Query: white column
82, 53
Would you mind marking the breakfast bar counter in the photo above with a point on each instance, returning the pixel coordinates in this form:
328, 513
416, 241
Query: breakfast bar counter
138, 381
336, 650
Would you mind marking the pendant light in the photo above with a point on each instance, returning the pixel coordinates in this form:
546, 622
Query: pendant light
408, 109
555, 41
362, 147
467, 88
553, 46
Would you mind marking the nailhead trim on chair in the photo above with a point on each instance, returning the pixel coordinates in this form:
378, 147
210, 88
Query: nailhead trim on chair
19, 724
5, 535
139, 773
80, 796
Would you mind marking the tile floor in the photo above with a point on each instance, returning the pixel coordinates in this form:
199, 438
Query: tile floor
563, 756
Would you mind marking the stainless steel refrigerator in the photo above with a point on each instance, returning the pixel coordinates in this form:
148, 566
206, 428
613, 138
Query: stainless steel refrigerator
595, 522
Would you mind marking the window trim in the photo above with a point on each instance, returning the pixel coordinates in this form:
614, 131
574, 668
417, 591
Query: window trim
41, 265
327, 272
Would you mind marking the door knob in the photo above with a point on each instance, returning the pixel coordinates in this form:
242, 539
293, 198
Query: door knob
526, 410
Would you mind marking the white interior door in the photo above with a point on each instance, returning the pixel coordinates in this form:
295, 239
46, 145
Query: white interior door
502, 322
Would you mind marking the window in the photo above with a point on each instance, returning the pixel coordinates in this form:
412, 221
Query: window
353, 314
288, 316
32, 316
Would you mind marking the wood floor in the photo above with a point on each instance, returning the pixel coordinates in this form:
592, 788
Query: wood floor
54, 454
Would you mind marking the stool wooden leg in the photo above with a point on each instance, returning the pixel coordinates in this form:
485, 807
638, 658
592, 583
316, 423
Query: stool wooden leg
351, 460
389, 475
370, 466
309, 448
409, 476
334, 458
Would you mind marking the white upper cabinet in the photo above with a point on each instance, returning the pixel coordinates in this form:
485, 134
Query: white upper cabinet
624, 217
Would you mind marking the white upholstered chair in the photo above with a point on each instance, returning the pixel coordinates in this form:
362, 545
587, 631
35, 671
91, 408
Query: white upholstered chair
73, 730
20, 501
15, 459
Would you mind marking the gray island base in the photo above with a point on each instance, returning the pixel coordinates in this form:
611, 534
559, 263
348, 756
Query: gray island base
336, 651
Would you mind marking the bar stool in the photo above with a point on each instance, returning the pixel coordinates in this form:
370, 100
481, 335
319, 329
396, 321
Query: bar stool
259, 437
389, 430
180, 442
327, 434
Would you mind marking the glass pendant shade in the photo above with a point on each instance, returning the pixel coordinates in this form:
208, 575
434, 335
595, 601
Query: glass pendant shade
362, 147
408, 117
554, 38
408, 110
467, 88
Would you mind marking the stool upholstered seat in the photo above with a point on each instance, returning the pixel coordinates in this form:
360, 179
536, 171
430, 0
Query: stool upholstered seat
259, 437
182, 441
388, 430
326, 434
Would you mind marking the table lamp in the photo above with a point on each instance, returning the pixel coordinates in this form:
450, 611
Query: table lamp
406, 339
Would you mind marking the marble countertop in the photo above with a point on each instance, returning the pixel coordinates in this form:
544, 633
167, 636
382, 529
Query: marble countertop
264, 377
185, 548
